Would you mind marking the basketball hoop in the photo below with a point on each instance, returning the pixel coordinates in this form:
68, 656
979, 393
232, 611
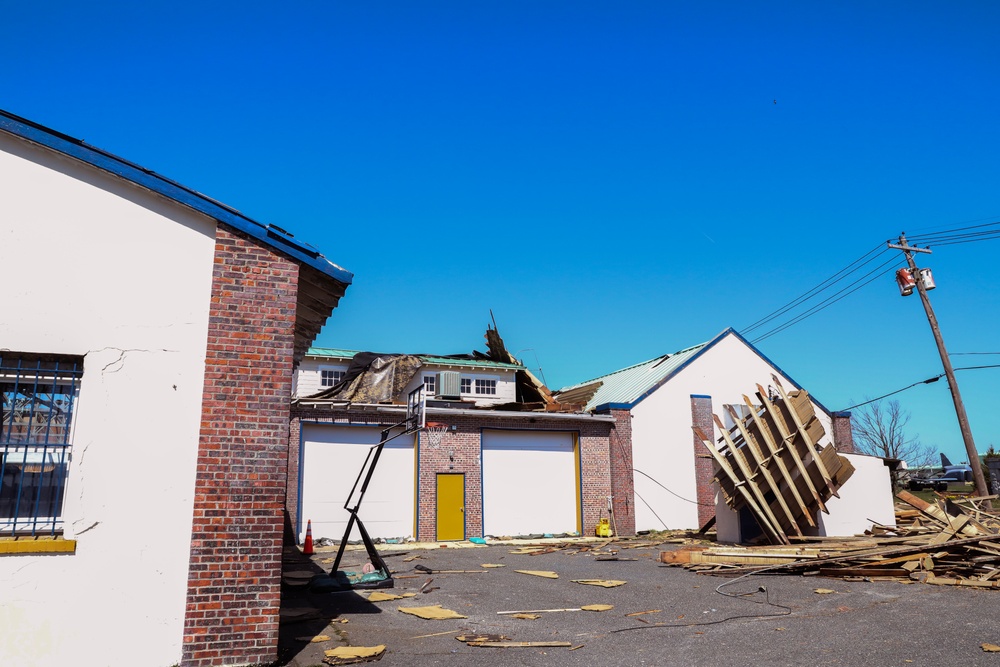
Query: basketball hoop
435, 431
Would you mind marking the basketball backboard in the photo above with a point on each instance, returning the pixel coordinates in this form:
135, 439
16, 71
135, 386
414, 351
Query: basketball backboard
416, 409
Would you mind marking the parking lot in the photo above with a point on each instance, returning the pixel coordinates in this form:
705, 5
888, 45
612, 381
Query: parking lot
765, 619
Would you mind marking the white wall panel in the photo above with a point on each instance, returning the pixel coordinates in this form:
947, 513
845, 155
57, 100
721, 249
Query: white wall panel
332, 457
529, 483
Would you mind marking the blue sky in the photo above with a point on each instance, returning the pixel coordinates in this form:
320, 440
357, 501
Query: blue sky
614, 182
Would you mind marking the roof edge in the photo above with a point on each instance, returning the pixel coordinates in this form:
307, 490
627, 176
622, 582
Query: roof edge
273, 236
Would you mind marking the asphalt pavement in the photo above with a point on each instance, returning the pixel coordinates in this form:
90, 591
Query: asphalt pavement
765, 620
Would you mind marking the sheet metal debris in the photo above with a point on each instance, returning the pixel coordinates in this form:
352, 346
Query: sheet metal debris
605, 583
432, 613
539, 573
349, 655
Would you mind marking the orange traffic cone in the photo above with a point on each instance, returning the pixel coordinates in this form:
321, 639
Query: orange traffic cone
307, 548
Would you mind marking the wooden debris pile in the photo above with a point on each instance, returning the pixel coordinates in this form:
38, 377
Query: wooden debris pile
943, 543
770, 463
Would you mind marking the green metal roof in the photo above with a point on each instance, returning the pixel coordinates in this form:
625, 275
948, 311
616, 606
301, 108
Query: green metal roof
347, 355
628, 385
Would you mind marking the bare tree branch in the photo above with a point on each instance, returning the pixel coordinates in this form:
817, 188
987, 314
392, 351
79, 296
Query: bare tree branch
880, 430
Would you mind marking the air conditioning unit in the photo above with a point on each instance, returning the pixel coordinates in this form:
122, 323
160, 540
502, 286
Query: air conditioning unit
449, 385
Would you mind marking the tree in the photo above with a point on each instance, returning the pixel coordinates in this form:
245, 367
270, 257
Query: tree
879, 429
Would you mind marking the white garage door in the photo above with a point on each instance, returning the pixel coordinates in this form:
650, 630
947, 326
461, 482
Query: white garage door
530, 483
332, 456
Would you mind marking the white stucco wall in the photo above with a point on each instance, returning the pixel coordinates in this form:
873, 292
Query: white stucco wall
95, 267
662, 439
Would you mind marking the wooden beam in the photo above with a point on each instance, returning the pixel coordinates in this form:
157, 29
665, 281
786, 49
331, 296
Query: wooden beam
804, 433
762, 463
787, 438
775, 450
742, 461
738, 484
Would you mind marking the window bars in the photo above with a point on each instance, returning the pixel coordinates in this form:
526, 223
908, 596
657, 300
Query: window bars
37, 393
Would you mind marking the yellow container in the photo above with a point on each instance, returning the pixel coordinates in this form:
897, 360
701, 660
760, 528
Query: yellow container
603, 528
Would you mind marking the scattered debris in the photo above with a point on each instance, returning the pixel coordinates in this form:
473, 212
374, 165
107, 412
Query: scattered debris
539, 573
597, 607
642, 613
824, 591
946, 543
512, 644
379, 596
527, 617
431, 613
481, 637
349, 655
313, 640
990, 648
434, 634
492, 565
539, 611
605, 583
409, 559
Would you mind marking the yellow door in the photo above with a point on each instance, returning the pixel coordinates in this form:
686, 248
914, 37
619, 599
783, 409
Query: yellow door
450, 506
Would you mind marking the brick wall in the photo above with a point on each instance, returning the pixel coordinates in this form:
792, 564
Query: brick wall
704, 465
843, 435
460, 452
235, 568
622, 475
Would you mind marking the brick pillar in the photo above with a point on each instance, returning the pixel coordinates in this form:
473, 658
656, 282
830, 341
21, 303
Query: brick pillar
843, 435
622, 477
234, 575
704, 465
292, 481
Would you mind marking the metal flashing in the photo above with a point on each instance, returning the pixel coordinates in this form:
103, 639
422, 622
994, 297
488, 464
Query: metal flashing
273, 236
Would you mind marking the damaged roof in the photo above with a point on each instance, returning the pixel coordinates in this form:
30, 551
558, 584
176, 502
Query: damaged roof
438, 360
629, 386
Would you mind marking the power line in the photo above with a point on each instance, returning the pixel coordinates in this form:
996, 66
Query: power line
940, 237
829, 301
927, 381
836, 277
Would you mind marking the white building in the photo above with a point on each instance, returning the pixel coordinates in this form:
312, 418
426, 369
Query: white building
669, 395
147, 344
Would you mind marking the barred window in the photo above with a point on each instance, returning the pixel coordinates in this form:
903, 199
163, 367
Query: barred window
329, 377
37, 393
465, 385
484, 387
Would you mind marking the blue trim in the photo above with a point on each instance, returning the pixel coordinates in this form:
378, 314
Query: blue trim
709, 345
778, 368
842, 413
701, 396
605, 407
275, 237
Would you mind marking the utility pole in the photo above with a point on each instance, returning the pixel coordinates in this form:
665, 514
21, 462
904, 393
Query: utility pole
956, 397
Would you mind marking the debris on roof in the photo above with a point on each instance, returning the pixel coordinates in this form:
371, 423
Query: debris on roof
770, 462
374, 378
